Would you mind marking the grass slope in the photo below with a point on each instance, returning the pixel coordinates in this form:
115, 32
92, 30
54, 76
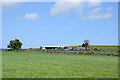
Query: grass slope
57, 65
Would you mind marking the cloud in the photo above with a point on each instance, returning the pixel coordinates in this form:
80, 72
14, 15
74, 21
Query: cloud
96, 10
96, 14
9, 4
109, 9
93, 3
14, 0
61, 8
29, 16
65, 6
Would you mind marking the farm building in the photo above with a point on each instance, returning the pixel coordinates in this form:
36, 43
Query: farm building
76, 48
64, 48
51, 47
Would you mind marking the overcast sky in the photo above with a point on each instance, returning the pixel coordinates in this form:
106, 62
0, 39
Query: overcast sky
60, 23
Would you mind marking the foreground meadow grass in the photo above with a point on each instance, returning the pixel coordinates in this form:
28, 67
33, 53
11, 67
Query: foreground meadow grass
58, 65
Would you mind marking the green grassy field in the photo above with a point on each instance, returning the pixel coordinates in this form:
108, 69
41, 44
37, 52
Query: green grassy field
57, 65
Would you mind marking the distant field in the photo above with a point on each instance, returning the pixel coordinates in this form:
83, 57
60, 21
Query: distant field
104, 50
58, 65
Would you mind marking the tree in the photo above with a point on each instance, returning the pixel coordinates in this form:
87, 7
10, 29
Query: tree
83, 45
86, 42
15, 44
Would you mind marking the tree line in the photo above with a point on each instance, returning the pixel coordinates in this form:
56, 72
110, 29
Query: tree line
16, 44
